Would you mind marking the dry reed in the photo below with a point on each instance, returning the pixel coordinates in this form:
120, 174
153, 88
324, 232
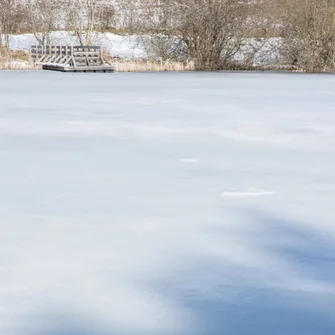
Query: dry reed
153, 66
11, 60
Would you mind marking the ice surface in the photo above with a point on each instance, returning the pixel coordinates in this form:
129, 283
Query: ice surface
184, 203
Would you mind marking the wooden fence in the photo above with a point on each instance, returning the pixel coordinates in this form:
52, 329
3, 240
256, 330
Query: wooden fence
69, 58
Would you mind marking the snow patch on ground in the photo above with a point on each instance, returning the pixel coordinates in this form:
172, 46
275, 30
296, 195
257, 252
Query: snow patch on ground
116, 45
190, 160
247, 192
261, 51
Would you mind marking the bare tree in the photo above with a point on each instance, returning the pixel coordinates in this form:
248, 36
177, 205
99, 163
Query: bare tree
11, 16
213, 30
209, 32
43, 17
87, 17
308, 30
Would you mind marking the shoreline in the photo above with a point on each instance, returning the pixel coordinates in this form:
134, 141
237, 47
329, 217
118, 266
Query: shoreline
251, 71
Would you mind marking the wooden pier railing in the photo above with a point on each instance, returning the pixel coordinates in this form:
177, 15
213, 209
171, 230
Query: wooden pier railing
70, 58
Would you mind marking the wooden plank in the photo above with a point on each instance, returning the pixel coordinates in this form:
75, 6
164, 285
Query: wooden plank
88, 57
80, 53
76, 69
70, 58
87, 47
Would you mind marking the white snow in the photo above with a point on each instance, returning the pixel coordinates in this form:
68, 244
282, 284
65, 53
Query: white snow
170, 203
262, 51
248, 192
123, 46
190, 160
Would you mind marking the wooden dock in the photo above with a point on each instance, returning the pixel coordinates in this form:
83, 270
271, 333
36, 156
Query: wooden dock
70, 58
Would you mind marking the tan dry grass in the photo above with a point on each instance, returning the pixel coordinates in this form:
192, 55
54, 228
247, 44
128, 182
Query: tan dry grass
6, 64
15, 60
153, 66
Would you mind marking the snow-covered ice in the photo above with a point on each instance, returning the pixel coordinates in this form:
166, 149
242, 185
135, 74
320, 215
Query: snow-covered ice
167, 203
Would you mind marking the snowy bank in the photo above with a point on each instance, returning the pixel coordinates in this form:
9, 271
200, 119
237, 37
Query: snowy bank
116, 45
255, 51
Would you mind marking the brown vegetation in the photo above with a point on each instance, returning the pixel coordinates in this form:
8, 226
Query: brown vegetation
308, 28
15, 60
145, 65
205, 33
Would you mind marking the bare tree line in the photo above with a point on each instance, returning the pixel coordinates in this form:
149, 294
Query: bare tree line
83, 17
308, 31
208, 32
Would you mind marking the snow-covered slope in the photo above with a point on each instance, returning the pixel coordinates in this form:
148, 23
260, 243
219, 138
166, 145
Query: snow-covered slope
262, 51
116, 45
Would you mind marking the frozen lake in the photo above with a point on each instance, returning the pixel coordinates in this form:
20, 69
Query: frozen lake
190, 203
